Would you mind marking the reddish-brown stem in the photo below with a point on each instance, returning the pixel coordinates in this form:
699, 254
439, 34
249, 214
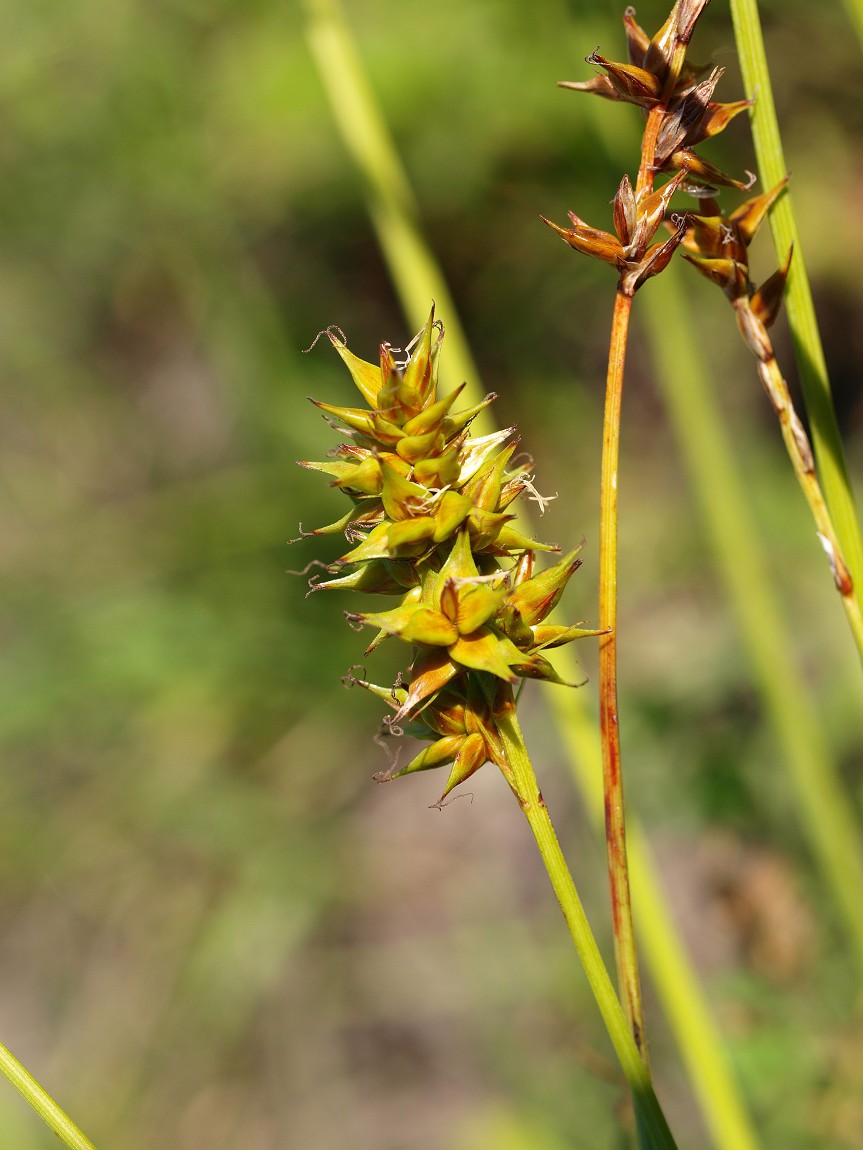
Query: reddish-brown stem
646, 172
615, 826
626, 955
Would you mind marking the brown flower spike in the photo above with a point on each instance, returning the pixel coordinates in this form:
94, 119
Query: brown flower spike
682, 114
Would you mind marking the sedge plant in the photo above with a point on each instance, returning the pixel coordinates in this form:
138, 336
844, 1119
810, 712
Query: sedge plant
430, 522
680, 114
682, 373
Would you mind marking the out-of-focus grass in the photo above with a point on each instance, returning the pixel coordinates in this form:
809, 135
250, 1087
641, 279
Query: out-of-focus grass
217, 932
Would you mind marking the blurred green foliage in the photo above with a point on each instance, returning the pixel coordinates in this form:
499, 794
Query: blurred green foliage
217, 932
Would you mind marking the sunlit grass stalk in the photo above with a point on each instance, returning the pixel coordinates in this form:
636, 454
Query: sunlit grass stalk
389, 200
808, 349
854, 8
615, 822
418, 277
42, 1102
676, 980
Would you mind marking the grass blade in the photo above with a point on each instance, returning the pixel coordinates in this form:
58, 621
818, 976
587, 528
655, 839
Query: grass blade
42, 1102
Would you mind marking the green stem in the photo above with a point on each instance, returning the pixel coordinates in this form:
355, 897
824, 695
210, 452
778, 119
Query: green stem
615, 823
42, 1102
801, 312
526, 788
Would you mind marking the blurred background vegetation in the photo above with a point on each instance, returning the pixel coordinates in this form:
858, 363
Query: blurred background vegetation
217, 932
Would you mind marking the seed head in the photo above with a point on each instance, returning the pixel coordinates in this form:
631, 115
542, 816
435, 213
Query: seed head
431, 524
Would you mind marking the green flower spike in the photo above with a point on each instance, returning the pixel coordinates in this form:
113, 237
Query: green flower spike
431, 525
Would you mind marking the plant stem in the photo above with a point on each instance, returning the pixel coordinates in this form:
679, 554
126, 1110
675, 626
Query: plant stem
808, 350
625, 952
42, 1102
800, 454
615, 822
529, 796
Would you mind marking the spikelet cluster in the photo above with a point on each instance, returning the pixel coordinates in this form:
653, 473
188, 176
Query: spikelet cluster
681, 113
431, 525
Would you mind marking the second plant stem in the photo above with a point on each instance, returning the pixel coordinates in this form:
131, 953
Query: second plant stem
800, 453
651, 1122
625, 953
